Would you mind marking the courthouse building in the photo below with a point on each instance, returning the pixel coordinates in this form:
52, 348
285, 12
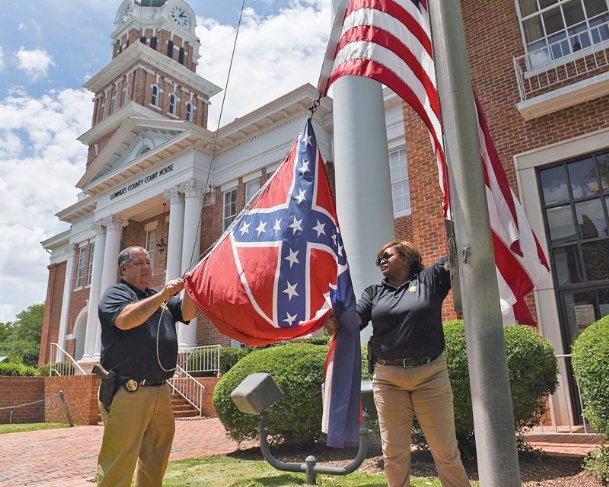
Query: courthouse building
157, 177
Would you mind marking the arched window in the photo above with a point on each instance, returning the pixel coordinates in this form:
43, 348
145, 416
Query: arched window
155, 95
153, 41
189, 112
172, 104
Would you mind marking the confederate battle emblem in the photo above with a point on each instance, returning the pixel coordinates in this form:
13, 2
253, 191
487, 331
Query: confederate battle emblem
131, 385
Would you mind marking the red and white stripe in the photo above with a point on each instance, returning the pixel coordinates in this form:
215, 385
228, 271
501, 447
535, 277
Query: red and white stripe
390, 41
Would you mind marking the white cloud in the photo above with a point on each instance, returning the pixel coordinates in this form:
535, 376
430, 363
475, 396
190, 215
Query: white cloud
40, 164
274, 55
34, 63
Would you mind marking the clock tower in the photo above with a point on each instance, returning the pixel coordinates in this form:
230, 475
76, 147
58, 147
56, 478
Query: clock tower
152, 73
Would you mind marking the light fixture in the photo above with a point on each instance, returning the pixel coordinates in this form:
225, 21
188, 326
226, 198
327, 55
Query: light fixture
161, 245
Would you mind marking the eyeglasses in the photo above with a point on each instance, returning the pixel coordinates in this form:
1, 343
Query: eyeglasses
386, 256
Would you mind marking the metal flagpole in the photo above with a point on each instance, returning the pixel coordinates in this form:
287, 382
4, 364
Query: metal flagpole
491, 397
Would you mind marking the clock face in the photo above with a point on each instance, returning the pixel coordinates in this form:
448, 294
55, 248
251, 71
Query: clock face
179, 16
128, 12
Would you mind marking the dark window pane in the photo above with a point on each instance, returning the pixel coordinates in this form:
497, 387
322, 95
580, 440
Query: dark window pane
584, 181
596, 260
547, 3
603, 170
590, 219
603, 303
554, 185
574, 13
553, 21
560, 222
533, 29
595, 7
568, 266
528, 7
581, 311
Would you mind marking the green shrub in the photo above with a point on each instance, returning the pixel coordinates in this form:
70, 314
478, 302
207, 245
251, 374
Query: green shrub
296, 417
15, 369
590, 366
229, 356
532, 369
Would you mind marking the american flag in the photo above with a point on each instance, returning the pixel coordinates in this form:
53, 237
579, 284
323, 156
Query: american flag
390, 41
280, 270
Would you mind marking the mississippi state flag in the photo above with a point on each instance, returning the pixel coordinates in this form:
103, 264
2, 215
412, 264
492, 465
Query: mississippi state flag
280, 270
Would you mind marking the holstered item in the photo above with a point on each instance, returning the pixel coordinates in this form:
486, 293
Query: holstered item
108, 387
371, 358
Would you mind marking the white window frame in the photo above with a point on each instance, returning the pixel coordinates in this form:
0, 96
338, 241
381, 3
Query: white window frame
399, 155
251, 188
90, 268
80, 267
155, 95
189, 112
541, 58
228, 217
173, 102
151, 243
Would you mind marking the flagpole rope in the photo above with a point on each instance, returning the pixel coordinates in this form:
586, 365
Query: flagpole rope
213, 148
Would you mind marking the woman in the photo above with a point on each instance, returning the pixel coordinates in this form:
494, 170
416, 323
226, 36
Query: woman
410, 374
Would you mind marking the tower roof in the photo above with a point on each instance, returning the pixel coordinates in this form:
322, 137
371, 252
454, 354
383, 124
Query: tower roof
151, 3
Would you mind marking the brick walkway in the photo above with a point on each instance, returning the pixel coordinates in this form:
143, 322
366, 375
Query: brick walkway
67, 457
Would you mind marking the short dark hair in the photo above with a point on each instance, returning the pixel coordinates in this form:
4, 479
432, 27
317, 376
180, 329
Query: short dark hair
405, 249
125, 256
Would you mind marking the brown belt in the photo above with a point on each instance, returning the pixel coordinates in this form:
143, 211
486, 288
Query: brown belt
407, 361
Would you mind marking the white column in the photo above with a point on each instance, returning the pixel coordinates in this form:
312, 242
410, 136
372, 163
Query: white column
176, 231
114, 230
191, 247
94, 292
361, 166
65, 302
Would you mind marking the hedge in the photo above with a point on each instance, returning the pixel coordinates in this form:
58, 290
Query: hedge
15, 369
296, 417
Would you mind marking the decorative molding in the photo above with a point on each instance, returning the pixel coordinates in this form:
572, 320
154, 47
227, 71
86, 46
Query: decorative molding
192, 189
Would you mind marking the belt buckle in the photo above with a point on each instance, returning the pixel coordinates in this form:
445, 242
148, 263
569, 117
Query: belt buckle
407, 365
131, 385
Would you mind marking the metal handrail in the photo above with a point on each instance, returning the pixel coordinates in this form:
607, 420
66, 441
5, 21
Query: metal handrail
59, 355
201, 359
189, 388
557, 62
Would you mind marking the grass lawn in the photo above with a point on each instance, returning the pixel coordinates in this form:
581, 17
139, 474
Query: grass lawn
232, 472
17, 428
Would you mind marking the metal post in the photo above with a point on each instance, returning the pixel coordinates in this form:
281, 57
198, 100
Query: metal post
491, 397
65, 405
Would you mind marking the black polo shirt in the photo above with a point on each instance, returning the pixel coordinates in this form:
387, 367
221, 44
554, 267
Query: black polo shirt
407, 321
133, 352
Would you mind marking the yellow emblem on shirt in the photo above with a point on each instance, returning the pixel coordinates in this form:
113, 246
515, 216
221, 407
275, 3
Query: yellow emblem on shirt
165, 307
412, 289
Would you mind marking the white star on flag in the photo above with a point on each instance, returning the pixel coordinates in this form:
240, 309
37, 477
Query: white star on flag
300, 197
291, 290
245, 228
320, 228
261, 228
290, 319
292, 258
295, 225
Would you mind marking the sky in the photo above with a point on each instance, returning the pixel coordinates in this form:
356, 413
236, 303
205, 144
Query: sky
49, 48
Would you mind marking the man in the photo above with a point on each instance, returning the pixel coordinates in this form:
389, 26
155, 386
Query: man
139, 345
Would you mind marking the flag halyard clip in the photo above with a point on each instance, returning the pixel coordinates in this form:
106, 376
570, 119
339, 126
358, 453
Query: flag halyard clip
313, 108
465, 252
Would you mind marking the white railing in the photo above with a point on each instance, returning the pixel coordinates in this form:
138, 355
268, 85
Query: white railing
188, 387
201, 360
572, 57
562, 372
62, 363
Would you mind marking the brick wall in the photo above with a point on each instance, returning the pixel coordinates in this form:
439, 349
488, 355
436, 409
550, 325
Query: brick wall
52, 310
80, 392
21, 390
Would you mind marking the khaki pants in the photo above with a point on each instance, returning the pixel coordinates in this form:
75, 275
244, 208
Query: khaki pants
139, 429
401, 393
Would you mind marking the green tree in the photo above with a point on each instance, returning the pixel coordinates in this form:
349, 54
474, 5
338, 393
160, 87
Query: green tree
20, 340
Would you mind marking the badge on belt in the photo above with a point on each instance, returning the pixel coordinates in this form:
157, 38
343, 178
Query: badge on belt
131, 385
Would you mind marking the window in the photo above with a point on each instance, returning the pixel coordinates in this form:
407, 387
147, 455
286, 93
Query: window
552, 29
155, 96
90, 269
251, 188
150, 246
143, 39
400, 191
181, 56
172, 104
170, 48
153, 41
125, 94
114, 102
230, 208
575, 199
189, 112
80, 269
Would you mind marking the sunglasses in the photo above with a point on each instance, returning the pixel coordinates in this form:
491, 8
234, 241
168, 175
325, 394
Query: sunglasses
386, 256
